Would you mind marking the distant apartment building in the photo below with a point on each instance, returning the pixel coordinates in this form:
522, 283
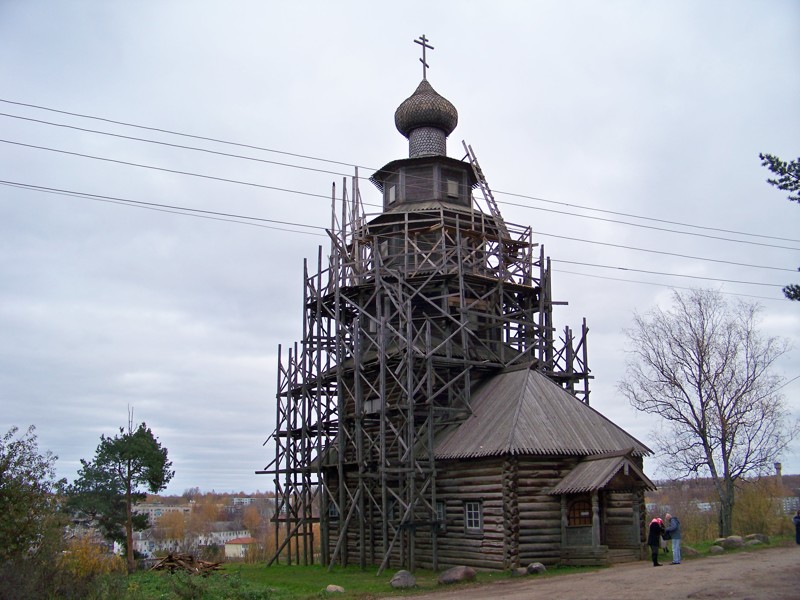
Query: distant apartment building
154, 510
243, 501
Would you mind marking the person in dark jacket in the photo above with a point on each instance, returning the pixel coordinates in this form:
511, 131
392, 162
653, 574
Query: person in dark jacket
796, 521
654, 538
674, 533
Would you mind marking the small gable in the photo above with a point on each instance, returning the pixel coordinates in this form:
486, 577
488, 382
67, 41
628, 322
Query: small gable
616, 472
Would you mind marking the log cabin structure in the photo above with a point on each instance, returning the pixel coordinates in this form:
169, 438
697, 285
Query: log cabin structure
430, 416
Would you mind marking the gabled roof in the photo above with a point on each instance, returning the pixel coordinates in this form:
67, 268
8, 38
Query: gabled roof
243, 541
523, 412
596, 472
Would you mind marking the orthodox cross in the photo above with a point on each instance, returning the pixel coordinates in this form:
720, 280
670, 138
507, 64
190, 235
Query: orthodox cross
423, 41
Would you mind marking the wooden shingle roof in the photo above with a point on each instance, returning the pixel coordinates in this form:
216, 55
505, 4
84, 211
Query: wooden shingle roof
523, 412
595, 473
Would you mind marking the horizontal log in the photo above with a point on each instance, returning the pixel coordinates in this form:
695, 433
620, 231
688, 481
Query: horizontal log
547, 540
537, 518
536, 497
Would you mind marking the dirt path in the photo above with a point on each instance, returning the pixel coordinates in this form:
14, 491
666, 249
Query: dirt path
767, 574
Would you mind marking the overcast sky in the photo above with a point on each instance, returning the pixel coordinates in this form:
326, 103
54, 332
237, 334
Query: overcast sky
577, 110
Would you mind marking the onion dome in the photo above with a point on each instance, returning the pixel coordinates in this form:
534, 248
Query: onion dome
426, 119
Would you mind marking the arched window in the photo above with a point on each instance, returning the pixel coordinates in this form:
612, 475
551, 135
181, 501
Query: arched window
579, 513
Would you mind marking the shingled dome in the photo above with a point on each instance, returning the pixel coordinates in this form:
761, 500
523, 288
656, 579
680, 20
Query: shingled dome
425, 108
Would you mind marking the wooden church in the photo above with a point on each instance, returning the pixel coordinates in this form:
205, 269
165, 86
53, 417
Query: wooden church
432, 415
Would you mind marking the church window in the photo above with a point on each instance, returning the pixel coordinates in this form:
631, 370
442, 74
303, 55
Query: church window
580, 513
452, 188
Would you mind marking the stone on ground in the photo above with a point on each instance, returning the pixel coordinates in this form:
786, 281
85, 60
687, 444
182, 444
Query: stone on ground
732, 541
536, 568
334, 589
403, 579
457, 575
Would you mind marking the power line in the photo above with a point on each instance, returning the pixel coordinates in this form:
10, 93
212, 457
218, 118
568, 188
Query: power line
252, 184
170, 132
179, 146
178, 210
308, 157
229, 216
609, 244
623, 214
664, 285
664, 253
163, 169
654, 228
572, 262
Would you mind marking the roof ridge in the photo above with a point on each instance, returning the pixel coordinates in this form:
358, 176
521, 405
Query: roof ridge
513, 429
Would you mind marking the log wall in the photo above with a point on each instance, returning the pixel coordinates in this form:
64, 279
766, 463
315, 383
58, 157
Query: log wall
522, 522
458, 482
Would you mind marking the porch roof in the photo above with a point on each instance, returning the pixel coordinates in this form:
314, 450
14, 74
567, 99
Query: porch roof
595, 472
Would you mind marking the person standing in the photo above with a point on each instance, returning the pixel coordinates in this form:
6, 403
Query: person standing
674, 532
654, 538
796, 521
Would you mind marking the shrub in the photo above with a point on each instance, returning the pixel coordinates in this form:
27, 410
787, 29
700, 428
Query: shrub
85, 559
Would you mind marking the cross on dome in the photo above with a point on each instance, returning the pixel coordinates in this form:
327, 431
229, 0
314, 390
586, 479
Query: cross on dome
423, 41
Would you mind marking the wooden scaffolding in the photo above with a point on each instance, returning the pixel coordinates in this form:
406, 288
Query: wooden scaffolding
408, 311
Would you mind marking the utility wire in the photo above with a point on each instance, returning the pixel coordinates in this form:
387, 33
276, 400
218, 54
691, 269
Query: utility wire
178, 210
654, 228
308, 157
217, 216
572, 262
180, 146
170, 132
664, 253
252, 184
795, 378
189, 173
664, 285
98, 196
634, 216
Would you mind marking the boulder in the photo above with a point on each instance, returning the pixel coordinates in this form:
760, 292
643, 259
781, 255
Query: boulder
716, 550
689, 551
764, 539
519, 572
403, 579
732, 541
536, 568
718, 541
457, 575
749, 543
334, 589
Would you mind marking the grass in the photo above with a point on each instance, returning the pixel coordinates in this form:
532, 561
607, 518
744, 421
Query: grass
283, 582
775, 541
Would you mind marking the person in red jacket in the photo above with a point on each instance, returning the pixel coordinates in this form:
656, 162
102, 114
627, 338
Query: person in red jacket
654, 538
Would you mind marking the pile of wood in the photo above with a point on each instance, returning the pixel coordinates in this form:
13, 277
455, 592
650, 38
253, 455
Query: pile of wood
185, 562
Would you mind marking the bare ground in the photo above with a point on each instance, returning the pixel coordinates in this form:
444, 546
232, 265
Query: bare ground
764, 574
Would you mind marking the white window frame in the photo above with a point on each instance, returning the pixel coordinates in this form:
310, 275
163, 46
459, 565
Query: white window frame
473, 516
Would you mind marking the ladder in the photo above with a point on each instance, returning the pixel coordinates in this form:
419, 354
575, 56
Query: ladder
487, 193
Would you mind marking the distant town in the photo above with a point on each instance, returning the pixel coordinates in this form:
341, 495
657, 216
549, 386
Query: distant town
214, 526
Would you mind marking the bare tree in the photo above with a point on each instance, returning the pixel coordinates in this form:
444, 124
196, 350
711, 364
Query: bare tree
705, 369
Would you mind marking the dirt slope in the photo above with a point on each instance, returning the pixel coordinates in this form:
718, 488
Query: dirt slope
767, 574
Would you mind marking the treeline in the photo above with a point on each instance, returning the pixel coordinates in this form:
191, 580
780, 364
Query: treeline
763, 505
